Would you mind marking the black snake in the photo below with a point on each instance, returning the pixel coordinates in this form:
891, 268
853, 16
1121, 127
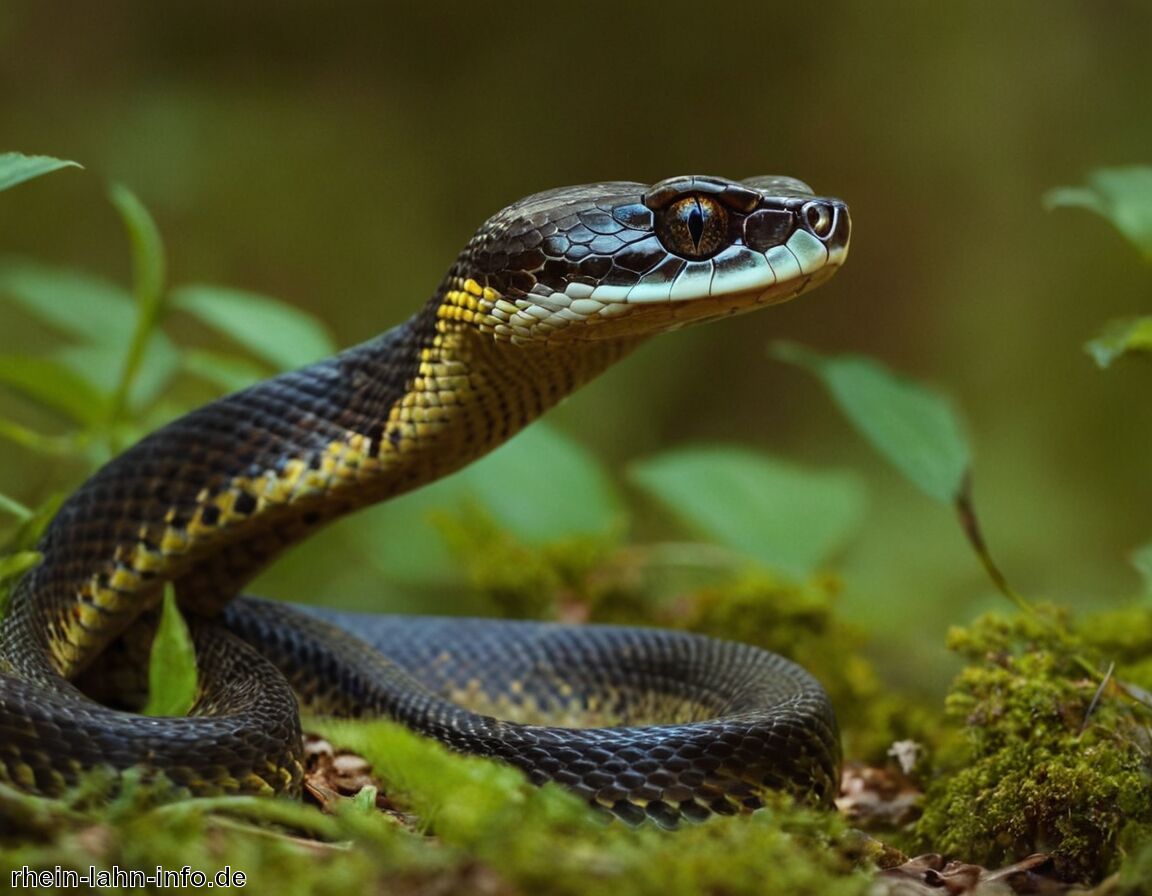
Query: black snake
546, 295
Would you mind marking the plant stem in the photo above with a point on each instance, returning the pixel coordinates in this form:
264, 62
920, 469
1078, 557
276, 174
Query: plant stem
966, 510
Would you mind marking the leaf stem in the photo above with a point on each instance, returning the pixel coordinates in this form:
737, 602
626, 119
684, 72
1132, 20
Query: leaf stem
58, 446
148, 271
14, 507
966, 510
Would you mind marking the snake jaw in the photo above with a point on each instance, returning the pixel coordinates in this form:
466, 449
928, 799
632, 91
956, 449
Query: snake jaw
578, 264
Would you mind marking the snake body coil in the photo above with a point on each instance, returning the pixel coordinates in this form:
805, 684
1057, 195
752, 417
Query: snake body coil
548, 293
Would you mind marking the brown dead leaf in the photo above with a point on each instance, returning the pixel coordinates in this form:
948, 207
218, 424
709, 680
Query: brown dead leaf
933, 875
331, 776
872, 798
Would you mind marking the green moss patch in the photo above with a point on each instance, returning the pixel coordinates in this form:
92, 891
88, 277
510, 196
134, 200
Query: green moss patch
1053, 754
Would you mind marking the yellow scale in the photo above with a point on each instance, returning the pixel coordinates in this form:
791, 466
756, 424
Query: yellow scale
417, 416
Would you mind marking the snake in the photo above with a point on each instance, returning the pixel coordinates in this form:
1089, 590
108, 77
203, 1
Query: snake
645, 723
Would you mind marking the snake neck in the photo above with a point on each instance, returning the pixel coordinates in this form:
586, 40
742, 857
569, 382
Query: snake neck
207, 501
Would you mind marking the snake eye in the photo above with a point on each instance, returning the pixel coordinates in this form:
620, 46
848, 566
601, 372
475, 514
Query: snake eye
818, 216
694, 227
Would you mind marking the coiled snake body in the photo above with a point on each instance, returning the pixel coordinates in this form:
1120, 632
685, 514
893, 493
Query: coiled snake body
548, 293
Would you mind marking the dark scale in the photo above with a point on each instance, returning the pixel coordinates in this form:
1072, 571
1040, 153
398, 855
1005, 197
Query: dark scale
246, 737
245, 503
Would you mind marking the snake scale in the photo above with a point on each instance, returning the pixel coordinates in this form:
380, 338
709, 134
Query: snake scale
548, 293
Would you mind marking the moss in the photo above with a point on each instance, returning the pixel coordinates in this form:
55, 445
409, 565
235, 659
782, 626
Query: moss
1137, 868
1050, 760
492, 831
279, 846
543, 840
524, 581
1032, 761
478, 827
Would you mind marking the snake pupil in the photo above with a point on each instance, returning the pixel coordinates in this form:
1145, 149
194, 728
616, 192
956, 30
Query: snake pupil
694, 227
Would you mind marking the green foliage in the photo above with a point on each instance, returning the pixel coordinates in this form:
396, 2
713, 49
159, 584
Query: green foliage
1135, 872
518, 578
1124, 636
1121, 337
1054, 756
1142, 560
278, 334
115, 361
99, 322
542, 840
55, 386
148, 262
15, 168
1045, 752
912, 426
18, 555
581, 500
75, 304
14, 508
148, 268
1122, 196
12, 566
258, 837
534, 557
490, 832
787, 517
172, 664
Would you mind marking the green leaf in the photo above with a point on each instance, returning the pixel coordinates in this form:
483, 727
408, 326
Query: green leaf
172, 668
102, 316
788, 517
54, 385
224, 371
87, 308
148, 261
19, 543
103, 366
914, 427
1120, 337
33, 522
283, 336
12, 567
14, 508
53, 446
1123, 196
1142, 559
364, 801
15, 167
148, 286
401, 541
543, 486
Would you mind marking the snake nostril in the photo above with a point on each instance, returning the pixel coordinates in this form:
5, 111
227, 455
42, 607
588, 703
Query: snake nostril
820, 218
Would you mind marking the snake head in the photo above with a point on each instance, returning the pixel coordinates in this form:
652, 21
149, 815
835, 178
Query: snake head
626, 260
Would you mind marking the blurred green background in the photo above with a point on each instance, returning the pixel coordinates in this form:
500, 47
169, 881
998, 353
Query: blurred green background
338, 155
